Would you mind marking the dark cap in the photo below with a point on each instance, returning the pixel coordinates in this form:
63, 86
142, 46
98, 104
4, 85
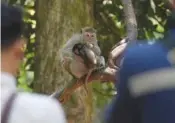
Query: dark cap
11, 24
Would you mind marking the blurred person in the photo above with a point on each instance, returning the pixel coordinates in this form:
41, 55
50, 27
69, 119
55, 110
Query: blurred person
20, 107
146, 91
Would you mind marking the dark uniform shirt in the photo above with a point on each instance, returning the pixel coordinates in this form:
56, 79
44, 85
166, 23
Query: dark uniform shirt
146, 91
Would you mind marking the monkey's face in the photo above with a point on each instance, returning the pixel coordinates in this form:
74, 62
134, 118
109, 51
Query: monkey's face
90, 37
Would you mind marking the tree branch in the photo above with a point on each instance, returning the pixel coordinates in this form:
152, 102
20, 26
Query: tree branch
130, 20
109, 22
131, 25
108, 74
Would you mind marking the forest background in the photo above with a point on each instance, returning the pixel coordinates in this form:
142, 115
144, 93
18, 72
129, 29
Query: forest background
50, 23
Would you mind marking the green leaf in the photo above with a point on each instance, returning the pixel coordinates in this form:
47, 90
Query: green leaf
153, 6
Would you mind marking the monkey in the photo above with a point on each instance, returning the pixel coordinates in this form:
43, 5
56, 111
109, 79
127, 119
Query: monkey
90, 39
81, 54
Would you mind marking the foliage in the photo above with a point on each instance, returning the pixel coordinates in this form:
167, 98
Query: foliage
26, 74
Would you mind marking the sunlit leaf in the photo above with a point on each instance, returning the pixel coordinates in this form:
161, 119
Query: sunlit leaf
159, 28
153, 6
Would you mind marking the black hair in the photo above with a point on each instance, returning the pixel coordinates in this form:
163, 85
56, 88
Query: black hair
11, 25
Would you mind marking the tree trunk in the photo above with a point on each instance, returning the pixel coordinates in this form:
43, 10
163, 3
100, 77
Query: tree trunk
57, 20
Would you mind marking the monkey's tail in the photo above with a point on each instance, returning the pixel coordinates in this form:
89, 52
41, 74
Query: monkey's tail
86, 79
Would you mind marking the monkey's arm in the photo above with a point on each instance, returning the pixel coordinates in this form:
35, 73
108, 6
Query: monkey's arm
97, 49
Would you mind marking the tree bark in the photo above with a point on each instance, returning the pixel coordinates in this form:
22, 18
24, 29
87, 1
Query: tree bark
57, 20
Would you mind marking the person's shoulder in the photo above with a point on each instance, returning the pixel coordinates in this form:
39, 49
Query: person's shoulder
144, 56
142, 46
39, 108
39, 100
145, 50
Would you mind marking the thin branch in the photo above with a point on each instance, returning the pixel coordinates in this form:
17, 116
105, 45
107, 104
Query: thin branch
130, 20
109, 23
107, 75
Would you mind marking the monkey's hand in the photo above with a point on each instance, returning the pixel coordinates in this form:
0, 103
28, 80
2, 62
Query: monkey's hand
89, 45
100, 62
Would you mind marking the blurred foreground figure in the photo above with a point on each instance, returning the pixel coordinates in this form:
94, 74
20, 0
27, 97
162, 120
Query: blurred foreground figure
20, 107
146, 91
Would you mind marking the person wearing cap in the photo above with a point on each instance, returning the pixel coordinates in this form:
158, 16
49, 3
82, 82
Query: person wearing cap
146, 89
20, 107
